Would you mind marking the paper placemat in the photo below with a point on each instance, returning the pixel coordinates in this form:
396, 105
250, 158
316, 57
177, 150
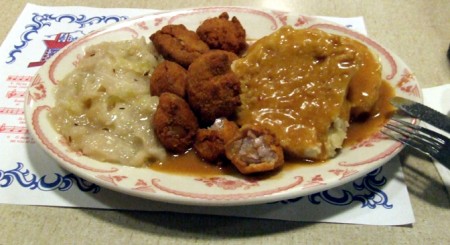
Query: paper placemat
29, 177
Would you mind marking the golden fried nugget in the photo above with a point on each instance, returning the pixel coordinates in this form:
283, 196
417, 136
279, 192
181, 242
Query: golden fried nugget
255, 149
222, 33
169, 77
210, 142
178, 44
174, 123
213, 89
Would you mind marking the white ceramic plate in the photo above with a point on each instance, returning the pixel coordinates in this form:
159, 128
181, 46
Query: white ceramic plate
350, 164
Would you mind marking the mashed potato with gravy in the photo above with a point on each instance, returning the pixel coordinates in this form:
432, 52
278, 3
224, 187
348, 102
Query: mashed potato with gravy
305, 85
103, 108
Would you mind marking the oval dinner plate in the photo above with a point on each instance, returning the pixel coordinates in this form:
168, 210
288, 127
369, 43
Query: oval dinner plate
222, 190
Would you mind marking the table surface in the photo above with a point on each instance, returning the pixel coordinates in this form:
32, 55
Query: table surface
418, 31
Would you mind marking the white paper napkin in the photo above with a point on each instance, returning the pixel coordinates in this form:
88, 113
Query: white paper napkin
438, 98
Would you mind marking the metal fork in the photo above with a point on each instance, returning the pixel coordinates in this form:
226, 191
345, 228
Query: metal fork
427, 141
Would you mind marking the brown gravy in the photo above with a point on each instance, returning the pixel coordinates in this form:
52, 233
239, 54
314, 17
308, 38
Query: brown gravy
190, 164
382, 111
303, 85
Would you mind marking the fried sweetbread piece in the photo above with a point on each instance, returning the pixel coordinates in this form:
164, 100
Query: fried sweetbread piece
174, 123
255, 149
213, 89
222, 33
178, 44
169, 77
210, 142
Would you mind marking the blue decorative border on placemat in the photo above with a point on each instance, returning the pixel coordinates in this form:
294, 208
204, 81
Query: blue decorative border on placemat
28, 180
366, 190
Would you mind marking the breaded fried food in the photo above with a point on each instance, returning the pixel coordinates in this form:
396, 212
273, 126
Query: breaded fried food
174, 123
213, 89
169, 77
255, 149
178, 44
222, 33
210, 142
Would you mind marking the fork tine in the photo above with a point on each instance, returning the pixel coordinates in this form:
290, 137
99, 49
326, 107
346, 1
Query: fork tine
422, 139
415, 134
431, 134
410, 141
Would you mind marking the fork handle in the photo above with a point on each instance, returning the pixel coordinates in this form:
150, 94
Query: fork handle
422, 112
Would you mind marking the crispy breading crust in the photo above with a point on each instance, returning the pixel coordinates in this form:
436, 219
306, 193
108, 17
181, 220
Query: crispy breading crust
213, 89
222, 33
174, 123
169, 77
255, 149
178, 44
210, 142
